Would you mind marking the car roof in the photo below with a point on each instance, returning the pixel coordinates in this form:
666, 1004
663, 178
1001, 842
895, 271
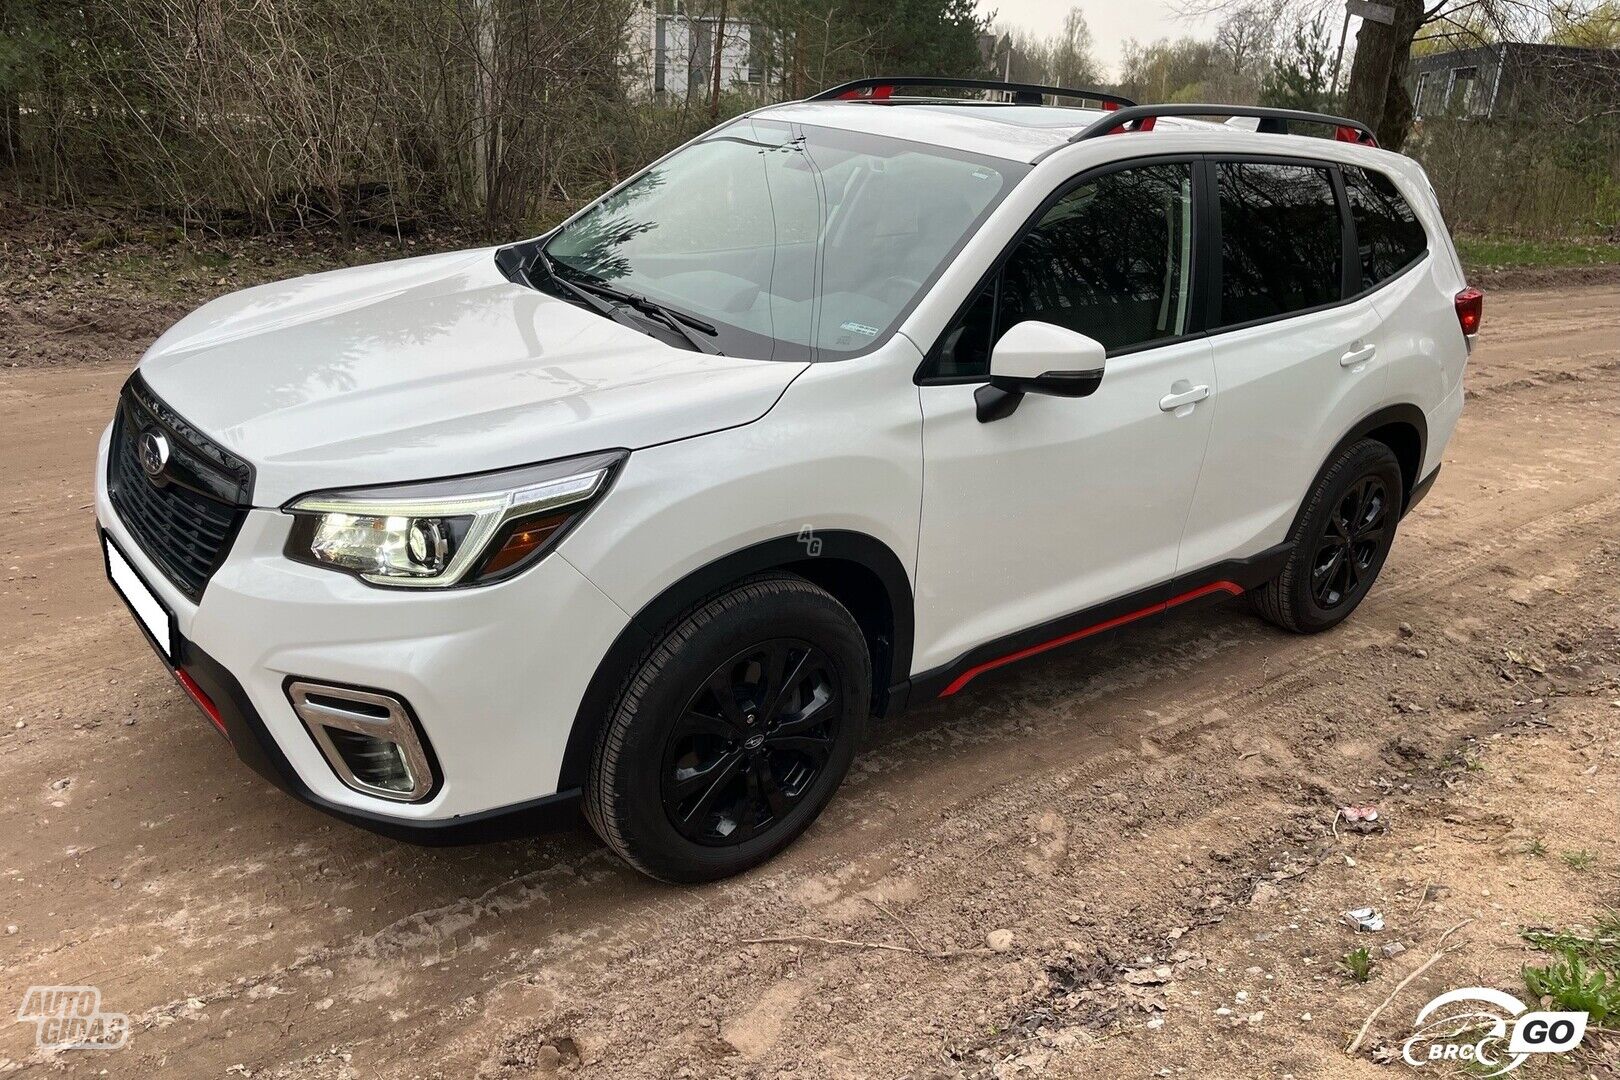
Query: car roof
993, 129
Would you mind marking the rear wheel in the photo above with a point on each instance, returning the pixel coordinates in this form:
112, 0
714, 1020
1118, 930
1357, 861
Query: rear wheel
1339, 543
733, 733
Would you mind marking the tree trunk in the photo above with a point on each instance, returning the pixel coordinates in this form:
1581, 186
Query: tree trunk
1378, 73
11, 123
719, 55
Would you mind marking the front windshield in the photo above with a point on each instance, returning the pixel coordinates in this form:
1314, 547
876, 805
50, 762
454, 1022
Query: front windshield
794, 242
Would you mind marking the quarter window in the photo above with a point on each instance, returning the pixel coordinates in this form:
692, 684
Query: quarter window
1110, 259
1281, 240
1388, 233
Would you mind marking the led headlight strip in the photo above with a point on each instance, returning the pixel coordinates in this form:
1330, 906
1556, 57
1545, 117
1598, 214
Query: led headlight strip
440, 533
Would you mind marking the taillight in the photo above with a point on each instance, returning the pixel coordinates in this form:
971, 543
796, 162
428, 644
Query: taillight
1470, 310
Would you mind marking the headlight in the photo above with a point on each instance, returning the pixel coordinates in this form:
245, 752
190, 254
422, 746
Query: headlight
471, 530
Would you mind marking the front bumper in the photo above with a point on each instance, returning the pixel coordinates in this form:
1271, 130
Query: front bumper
258, 749
496, 695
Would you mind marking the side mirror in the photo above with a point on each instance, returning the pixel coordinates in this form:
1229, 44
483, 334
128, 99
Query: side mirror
1039, 358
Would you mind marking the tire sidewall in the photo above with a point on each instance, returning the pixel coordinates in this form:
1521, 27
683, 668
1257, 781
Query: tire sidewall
809, 615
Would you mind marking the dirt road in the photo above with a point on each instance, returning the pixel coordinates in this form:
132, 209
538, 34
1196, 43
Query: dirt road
1153, 821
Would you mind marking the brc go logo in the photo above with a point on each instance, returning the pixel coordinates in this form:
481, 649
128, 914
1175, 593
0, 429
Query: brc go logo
70, 1018
1474, 1033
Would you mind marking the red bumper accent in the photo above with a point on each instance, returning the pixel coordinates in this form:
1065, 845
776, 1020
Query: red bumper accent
204, 702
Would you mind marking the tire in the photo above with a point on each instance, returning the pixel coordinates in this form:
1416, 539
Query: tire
696, 776
1339, 543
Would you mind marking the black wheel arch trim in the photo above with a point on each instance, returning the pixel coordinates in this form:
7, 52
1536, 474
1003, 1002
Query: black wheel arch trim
1404, 413
806, 553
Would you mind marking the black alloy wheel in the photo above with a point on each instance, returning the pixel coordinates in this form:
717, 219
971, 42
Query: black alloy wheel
751, 742
1339, 540
1351, 540
732, 731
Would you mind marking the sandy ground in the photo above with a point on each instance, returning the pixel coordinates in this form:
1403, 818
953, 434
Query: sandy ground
1151, 821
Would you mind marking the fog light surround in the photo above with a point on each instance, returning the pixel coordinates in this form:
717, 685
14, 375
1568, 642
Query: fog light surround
368, 737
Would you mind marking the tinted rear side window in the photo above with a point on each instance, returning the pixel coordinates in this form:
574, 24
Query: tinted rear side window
1281, 240
1387, 231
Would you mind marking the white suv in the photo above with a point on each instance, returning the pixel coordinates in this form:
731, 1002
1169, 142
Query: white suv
838, 407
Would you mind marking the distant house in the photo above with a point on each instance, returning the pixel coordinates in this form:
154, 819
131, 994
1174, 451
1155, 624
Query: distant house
670, 53
1515, 80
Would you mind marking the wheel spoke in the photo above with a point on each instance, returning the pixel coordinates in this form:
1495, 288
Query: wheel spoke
816, 750
720, 685
1352, 574
1325, 578
813, 715
750, 809
1374, 523
1324, 570
786, 673
711, 782
693, 722
765, 781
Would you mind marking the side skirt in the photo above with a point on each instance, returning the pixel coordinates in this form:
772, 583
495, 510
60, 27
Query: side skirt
1220, 581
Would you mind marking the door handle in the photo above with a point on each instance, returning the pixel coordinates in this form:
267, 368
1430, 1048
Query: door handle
1172, 402
1358, 356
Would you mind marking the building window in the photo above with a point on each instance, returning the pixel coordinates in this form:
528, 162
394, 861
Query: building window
1460, 100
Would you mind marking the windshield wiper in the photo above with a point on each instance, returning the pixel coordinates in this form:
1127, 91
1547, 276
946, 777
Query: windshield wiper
542, 262
676, 320
592, 293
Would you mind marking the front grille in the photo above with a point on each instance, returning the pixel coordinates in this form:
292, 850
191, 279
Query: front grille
186, 517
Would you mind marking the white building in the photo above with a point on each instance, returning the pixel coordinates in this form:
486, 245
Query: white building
671, 53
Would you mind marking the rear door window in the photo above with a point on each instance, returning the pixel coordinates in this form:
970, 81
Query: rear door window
1389, 237
1281, 240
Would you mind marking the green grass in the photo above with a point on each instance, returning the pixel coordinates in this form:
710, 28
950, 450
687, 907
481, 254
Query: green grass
1498, 252
1580, 860
1356, 965
1586, 974
1570, 984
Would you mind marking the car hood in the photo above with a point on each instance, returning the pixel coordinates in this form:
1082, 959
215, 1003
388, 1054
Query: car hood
432, 367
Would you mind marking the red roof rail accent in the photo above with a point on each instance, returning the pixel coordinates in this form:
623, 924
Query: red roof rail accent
1140, 125
880, 92
883, 87
1345, 133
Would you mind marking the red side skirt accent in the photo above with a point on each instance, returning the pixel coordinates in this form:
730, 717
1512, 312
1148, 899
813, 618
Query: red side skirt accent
204, 702
1152, 609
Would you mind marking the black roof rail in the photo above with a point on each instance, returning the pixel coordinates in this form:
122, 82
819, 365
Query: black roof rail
882, 88
1272, 121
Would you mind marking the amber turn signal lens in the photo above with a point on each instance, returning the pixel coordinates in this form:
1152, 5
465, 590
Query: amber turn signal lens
521, 540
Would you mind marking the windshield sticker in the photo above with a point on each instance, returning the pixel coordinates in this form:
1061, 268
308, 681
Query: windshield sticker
858, 328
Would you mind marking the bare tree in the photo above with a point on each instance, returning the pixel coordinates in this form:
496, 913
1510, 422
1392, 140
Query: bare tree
1377, 92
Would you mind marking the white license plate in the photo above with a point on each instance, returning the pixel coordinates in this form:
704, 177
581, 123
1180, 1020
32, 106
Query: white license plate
148, 609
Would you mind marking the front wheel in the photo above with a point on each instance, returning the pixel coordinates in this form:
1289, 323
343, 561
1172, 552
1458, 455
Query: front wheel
733, 733
1339, 543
